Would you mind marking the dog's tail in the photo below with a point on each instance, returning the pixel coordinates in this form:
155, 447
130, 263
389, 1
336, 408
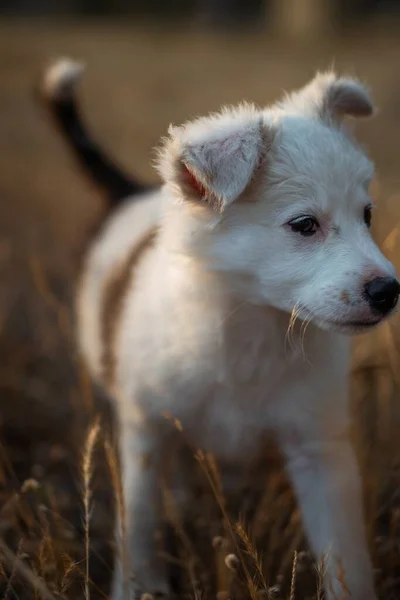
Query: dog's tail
57, 91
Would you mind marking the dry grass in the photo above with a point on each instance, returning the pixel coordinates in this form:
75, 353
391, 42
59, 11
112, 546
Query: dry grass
57, 541
87, 473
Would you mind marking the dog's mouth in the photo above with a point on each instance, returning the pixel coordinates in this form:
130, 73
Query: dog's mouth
353, 326
348, 326
362, 324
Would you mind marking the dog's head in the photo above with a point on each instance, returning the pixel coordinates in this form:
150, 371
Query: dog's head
277, 201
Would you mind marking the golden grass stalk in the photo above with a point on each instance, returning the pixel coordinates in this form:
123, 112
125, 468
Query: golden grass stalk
209, 468
293, 578
115, 473
70, 566
252, 552
87, 473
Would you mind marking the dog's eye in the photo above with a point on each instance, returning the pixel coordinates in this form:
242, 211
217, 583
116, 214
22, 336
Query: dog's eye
306, 226
367, 216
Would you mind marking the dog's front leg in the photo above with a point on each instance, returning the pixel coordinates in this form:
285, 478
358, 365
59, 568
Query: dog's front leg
327, 483
139, 568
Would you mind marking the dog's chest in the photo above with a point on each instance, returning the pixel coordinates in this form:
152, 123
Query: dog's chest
250, 364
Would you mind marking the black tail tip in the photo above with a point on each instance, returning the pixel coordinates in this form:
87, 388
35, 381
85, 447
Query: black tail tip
59, 79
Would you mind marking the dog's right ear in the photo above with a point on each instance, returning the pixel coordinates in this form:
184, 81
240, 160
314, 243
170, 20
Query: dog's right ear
213, 159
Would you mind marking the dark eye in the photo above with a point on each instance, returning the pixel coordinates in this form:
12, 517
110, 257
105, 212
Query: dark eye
367, 216
306, 226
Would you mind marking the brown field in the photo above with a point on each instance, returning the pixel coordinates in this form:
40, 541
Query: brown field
140, 80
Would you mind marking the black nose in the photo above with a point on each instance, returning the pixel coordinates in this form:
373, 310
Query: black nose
382, 294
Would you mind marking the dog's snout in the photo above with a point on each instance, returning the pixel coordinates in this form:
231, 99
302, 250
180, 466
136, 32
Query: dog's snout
382, 294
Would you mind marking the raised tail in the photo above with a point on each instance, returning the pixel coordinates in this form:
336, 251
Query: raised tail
58, 91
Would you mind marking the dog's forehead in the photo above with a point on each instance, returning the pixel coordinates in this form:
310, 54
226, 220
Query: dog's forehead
320, 153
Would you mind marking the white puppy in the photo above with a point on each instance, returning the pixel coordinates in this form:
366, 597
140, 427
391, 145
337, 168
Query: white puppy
226, 299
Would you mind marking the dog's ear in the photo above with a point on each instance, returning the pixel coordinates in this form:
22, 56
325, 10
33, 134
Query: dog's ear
347, 97
213, 159
332, 97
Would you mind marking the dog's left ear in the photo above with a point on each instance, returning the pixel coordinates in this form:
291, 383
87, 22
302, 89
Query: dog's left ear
332, 97
212, 160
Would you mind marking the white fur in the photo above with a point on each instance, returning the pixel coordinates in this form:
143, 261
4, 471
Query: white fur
208, 332
61, 78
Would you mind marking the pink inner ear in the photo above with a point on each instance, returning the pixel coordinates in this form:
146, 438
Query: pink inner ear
193, 183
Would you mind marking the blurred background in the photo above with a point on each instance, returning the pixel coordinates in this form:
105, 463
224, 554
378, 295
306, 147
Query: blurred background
150, 63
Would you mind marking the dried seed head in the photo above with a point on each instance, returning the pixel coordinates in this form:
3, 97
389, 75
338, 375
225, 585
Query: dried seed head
232, 562
217, 542
24, 556
30, 484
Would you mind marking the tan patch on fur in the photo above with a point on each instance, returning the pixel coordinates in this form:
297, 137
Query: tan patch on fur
345, 296
113, 296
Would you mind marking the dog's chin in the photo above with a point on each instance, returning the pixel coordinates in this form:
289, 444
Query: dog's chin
348, 327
